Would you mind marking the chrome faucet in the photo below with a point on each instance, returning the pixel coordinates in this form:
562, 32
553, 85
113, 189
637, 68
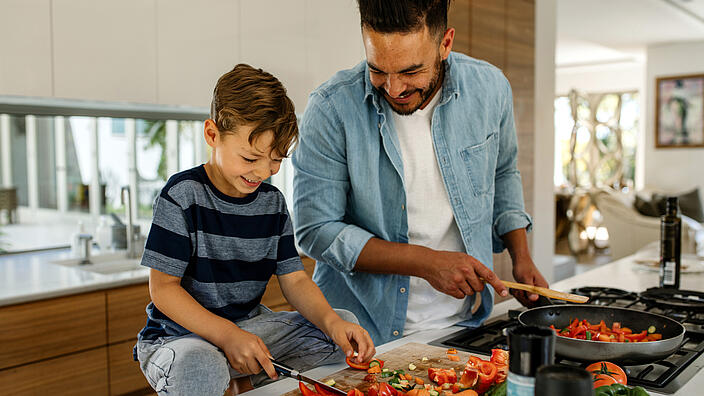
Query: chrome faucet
131, 251
85, 240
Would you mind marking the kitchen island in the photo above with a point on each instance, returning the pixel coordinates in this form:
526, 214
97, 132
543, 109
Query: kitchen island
622, 274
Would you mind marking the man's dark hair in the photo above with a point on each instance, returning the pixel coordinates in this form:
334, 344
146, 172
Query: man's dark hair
403, 16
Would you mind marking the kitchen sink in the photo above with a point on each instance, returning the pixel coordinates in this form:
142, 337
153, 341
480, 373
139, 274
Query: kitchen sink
108, 263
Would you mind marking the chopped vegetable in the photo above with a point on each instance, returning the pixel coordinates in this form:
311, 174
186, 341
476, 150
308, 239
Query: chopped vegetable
330, 382
620, 390
583, 330
374, 370
453, 358
306, 391
452, 351
411, 366
425, 359
441, 376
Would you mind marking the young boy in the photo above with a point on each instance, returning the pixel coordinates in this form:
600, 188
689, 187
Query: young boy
218, 234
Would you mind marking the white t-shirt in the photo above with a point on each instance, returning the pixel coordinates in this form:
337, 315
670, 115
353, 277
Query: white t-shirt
431, 222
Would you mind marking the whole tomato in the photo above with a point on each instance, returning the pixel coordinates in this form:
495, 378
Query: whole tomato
608, 369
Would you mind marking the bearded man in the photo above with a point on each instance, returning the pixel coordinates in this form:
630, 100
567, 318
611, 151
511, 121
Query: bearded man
406, 178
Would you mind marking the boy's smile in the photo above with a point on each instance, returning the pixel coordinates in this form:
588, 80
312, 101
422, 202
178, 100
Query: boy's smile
236, 167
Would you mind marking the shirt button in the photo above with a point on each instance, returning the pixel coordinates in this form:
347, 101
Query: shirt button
395, 333
403, 207
402, 290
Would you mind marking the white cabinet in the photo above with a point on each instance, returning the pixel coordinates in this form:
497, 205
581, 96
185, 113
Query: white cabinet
273, 38
105, 50
25, 48
333, 39
197, 42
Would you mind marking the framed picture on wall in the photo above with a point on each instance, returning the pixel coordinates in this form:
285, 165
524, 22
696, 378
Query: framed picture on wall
679, 114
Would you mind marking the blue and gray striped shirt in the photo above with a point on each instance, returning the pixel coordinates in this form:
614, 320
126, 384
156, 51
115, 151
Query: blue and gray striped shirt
224, 249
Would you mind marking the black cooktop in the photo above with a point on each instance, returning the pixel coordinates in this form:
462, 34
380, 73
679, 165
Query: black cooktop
664, 376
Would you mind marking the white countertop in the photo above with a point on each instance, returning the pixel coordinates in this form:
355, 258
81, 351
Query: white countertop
32, 276
622, 274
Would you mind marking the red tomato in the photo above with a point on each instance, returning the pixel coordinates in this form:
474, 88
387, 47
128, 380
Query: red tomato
601, 380
608, 369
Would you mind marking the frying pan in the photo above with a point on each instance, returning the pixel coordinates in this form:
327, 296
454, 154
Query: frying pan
618, 352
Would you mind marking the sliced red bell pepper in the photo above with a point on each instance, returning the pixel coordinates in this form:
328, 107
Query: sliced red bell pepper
487, 376
322, 391
355, 392
637, 337
469, 377
442, 376
362, 366
305, 391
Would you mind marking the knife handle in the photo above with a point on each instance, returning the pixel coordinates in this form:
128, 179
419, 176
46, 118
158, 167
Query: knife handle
284, 369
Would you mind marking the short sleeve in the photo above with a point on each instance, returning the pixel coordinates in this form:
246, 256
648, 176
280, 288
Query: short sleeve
168, 246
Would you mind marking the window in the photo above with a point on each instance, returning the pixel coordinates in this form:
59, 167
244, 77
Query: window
596, 137
18, 158
45, 148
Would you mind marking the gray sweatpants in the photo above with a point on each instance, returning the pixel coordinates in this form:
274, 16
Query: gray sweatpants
190, 365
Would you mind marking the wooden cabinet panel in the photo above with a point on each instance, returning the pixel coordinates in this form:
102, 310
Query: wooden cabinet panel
84, 373
44, 329
126, 314
273, 297
124, 373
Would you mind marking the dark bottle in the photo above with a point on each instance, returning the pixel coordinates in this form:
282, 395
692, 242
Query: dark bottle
670, 244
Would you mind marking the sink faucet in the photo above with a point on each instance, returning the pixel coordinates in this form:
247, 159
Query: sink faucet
86, 240
131, 251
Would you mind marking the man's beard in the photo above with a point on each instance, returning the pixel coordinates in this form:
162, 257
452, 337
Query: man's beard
425, 94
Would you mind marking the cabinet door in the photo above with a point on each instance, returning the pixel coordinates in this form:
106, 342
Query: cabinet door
126, 315
84, 373
38, 330
125, 375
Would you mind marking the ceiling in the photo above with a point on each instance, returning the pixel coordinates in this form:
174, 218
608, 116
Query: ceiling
597, 32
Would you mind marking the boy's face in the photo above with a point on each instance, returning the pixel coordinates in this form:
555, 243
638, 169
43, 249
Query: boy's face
238, 167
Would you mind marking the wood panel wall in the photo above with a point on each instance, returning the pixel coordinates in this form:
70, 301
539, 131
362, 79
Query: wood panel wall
502, 32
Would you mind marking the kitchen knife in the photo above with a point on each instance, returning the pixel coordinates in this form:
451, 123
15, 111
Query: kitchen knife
286, 371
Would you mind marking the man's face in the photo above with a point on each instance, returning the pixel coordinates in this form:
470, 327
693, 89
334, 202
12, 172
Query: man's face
406, 67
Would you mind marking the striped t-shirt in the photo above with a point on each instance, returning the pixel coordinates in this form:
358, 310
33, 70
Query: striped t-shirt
223, 248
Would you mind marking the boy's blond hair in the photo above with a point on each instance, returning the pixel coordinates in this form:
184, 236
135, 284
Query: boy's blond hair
249, 96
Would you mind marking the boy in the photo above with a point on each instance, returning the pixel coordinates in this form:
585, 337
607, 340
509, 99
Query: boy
217, 236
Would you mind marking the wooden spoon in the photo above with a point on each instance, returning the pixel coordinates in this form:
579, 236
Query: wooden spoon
543, 291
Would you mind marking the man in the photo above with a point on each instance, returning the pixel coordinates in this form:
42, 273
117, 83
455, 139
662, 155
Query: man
406, 178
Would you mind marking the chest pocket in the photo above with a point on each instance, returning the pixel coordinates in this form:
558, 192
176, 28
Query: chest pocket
480, 161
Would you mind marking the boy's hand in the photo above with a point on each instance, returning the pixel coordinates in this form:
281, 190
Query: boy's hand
351, 337
247, 353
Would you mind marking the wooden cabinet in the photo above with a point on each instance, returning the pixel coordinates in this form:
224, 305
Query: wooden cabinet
44, 329
125, 375
82, 373
125, 310
82, 344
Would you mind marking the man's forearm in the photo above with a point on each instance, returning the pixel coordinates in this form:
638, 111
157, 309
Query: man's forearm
516, 242
384, 257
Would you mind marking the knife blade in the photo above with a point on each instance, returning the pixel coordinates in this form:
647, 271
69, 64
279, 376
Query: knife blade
290, 372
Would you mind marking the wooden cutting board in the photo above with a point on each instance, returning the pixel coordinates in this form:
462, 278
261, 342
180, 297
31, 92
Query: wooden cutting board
398, 359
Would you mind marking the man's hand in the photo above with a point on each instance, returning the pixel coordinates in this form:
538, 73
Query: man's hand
352, 338
247, 353
457, 274
525, 271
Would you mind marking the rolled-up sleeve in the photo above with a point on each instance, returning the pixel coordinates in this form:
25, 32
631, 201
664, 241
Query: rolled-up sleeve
509, 210
320, 188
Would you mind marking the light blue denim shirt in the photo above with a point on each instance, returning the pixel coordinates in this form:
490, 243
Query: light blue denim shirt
349, 185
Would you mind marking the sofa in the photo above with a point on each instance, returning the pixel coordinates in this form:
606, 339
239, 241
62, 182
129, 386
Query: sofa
630, 230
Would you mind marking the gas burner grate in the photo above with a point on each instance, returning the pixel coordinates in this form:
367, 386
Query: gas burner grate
604, 295
683, 300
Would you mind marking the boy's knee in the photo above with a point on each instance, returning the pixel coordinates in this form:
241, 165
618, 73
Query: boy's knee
347, 315
200, 371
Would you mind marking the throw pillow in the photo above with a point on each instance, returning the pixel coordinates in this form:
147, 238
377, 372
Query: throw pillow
691, 205
646, 207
